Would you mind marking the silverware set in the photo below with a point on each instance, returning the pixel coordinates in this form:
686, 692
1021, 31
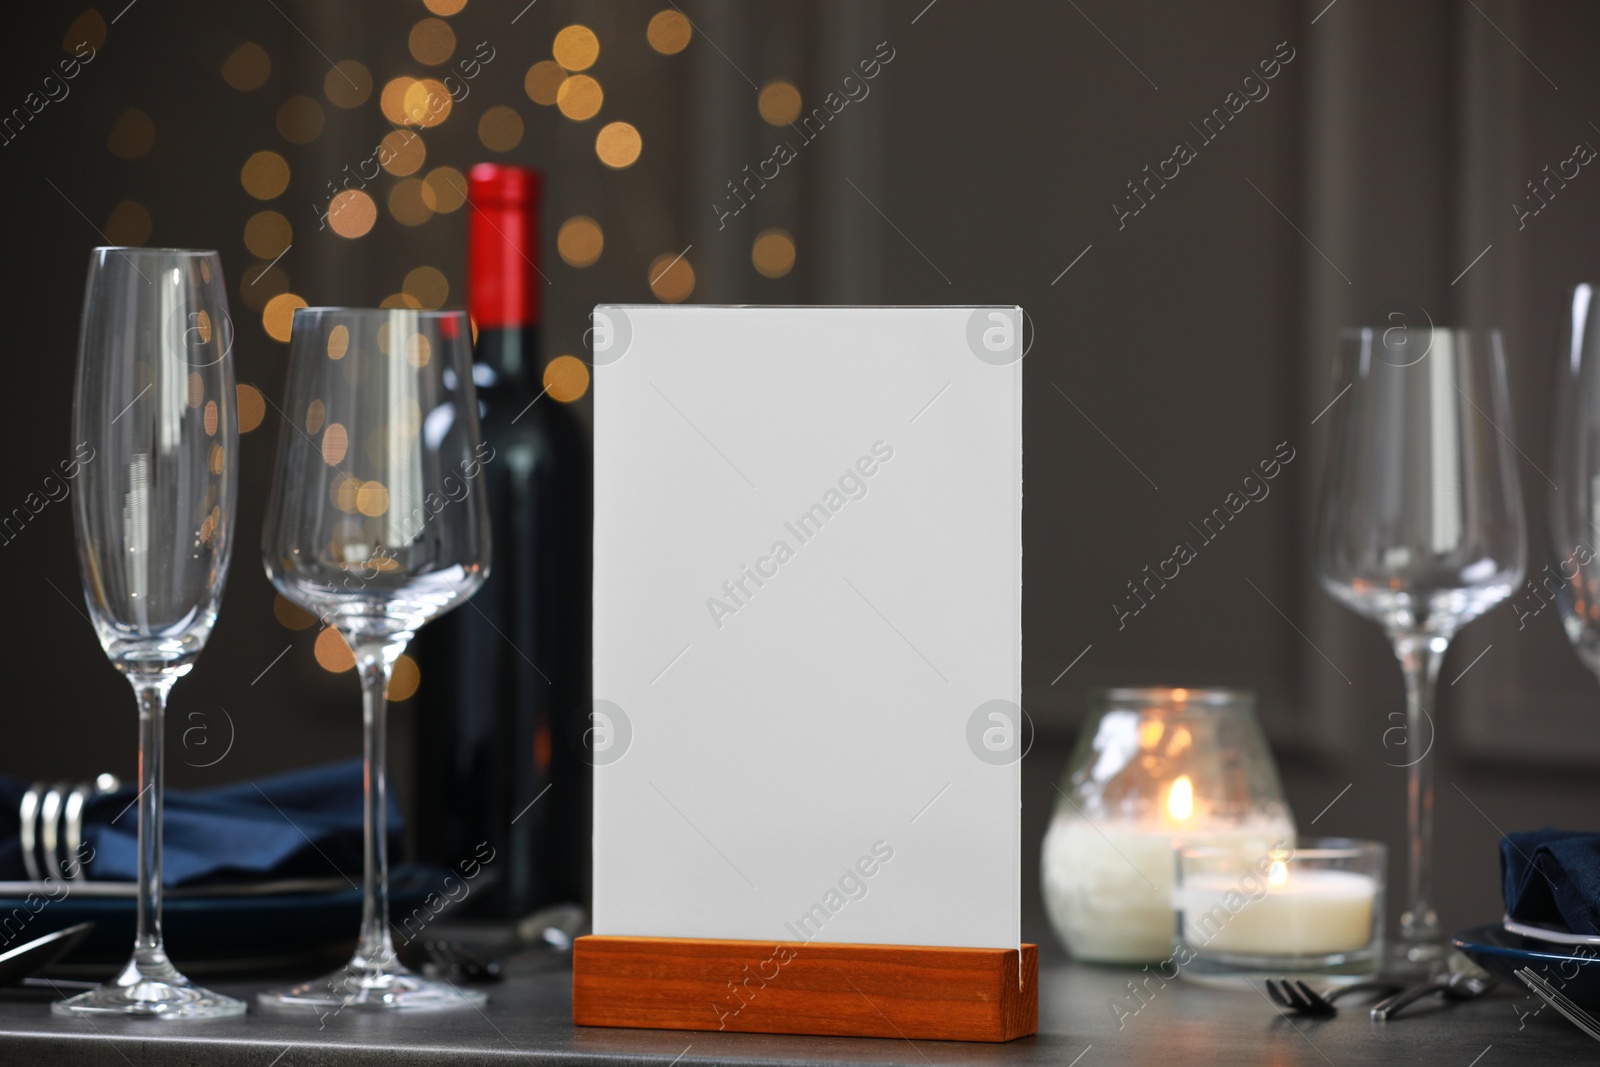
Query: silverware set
50, 817
1298, 998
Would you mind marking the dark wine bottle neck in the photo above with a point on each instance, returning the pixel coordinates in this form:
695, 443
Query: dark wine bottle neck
511, 356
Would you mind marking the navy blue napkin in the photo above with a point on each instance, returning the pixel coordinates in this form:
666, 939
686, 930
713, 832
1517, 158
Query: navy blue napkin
1552, 876
303, 824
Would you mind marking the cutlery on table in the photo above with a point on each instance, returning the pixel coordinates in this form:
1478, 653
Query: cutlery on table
19, 965
1463, 985
1298, 998
1554, 997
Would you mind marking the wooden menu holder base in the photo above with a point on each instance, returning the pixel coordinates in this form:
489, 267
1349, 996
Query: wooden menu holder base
936, 994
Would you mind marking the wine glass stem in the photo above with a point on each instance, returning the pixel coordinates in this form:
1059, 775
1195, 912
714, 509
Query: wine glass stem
152, 695
1419, 660
374, 660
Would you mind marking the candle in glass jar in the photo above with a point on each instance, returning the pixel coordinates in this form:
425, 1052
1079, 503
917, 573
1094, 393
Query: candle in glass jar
1108, 883
1292, 911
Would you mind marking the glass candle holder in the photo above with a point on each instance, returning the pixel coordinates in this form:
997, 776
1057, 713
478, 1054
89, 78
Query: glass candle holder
1314, 909
1153, 768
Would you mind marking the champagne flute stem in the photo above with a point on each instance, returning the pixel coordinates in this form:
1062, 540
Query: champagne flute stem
1419, 924
374, 659
152, 695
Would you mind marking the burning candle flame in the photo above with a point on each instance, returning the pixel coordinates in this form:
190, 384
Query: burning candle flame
1278, 873
1180, 799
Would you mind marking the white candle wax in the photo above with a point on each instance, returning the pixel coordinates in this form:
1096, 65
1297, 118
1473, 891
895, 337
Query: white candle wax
1108, 885
1311, 912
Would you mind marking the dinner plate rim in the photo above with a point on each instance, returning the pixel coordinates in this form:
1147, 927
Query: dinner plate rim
1479, 939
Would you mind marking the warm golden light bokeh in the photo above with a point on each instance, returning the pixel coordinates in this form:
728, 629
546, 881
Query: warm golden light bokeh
618, 145
428, 285
669, 32
392, 100
444, 7
195, 389
772, 253
333, 654
300, 120
338, 345
576, 47
671, 278
400, 300
267, 234
543, 81
402, 152
500, 129
129, 224
372, 499
566, 378
347, 84
335, 443
209, 417
316, 413
419, 350
252, 407
265, 175
580, 97
404, 678
432, 42
132, 136
247, 67
406, 202
779, 102
292, 615
444, 189
89, 29
351, 213
426, 103
278, 315
580, 241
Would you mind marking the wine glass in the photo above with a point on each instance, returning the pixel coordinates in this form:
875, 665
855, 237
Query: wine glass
1421, 530
1575, 470
377, 523
153, 427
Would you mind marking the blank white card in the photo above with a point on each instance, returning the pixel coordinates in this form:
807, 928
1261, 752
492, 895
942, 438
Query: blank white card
807, 623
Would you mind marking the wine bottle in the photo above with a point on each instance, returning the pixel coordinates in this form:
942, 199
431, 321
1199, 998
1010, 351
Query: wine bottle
505, 675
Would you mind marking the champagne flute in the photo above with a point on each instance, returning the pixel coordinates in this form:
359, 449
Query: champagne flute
1421, 530
1575, 501
376, 524
153, 424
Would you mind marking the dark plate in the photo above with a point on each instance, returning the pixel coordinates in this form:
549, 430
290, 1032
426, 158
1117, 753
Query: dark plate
1501, 954
236, 931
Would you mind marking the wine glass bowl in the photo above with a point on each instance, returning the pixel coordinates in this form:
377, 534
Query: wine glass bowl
1574, 500
1422, 527
156, 438
1421, 530
376, 523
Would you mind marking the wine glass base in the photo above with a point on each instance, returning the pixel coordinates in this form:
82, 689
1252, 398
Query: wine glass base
394, 989
154, 991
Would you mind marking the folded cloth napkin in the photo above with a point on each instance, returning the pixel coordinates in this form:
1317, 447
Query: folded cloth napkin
303, 824
1552, 876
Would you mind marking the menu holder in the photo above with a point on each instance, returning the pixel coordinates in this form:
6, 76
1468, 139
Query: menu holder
807, 730
910, 991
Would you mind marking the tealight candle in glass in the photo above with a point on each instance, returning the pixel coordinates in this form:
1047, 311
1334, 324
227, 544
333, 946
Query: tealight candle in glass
1313, 909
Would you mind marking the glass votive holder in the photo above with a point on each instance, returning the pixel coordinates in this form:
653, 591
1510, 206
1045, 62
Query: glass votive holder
1312, 908
1153, 768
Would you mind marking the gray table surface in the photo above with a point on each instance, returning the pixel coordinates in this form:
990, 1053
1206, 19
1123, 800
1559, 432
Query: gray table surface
529, 1020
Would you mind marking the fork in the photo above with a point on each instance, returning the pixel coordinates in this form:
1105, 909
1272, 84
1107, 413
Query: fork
1554, 997
1463, 985
1300, 999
